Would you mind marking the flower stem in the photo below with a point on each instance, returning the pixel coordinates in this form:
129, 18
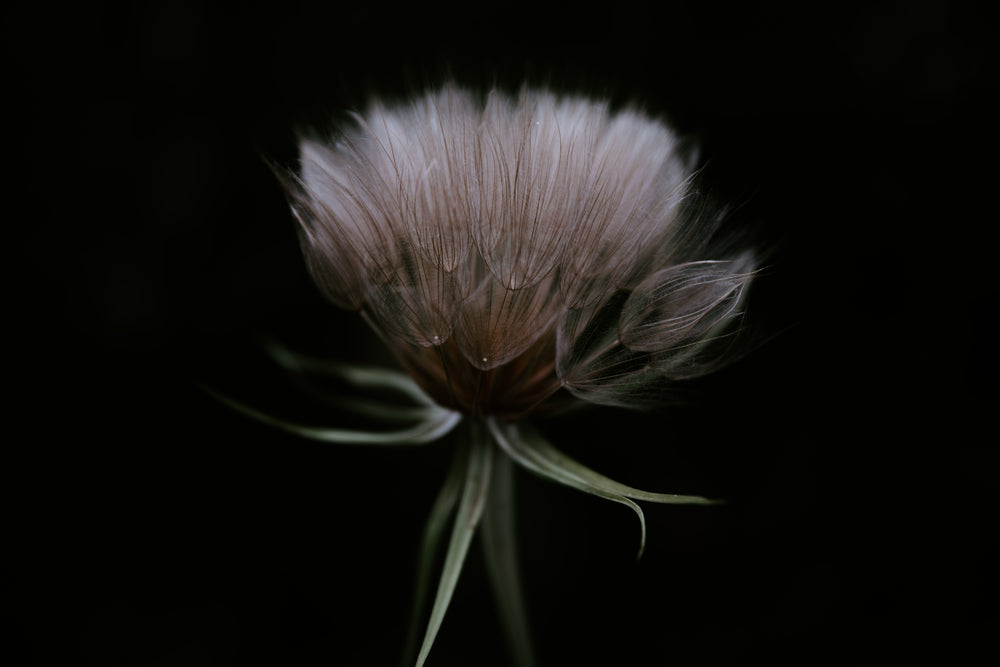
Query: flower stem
500, 547
470, 509
430, 545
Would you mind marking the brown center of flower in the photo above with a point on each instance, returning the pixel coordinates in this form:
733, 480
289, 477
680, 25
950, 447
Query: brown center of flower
527, 383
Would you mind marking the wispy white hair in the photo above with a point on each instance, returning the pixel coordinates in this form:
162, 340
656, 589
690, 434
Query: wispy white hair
508, 247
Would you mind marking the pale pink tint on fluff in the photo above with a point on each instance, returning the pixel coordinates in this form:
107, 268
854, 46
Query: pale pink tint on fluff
511, 247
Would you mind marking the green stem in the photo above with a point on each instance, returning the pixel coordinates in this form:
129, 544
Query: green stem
500, 546
443, 507
470, 509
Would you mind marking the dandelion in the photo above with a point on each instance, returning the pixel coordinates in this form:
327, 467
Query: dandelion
518, 255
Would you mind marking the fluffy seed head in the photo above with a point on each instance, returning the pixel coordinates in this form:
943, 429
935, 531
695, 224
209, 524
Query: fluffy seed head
509, 247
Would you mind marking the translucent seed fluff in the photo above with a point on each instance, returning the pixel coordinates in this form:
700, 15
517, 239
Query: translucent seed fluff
515, 250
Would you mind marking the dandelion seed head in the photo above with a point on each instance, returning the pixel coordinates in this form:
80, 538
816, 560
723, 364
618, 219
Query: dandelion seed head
510, 247
514, 252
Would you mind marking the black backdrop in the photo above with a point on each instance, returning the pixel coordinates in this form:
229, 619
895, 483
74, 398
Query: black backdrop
150, 526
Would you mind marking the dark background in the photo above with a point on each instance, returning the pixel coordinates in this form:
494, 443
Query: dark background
152, 247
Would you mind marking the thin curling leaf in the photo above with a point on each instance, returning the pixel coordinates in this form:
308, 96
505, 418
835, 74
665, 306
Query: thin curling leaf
546, 451
521, 449
377, 408
682, 304
470, 509
430, 543
529, 448
372, 409
359, 376
436, 423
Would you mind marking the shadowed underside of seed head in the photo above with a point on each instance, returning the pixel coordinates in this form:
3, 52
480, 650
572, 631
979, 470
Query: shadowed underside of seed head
527, 383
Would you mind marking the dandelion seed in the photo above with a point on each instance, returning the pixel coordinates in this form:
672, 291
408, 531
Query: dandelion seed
517, 254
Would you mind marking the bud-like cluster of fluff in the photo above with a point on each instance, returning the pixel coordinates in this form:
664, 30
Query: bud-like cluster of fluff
509, 247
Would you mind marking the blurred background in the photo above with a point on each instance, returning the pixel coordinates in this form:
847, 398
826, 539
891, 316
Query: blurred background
153, 249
